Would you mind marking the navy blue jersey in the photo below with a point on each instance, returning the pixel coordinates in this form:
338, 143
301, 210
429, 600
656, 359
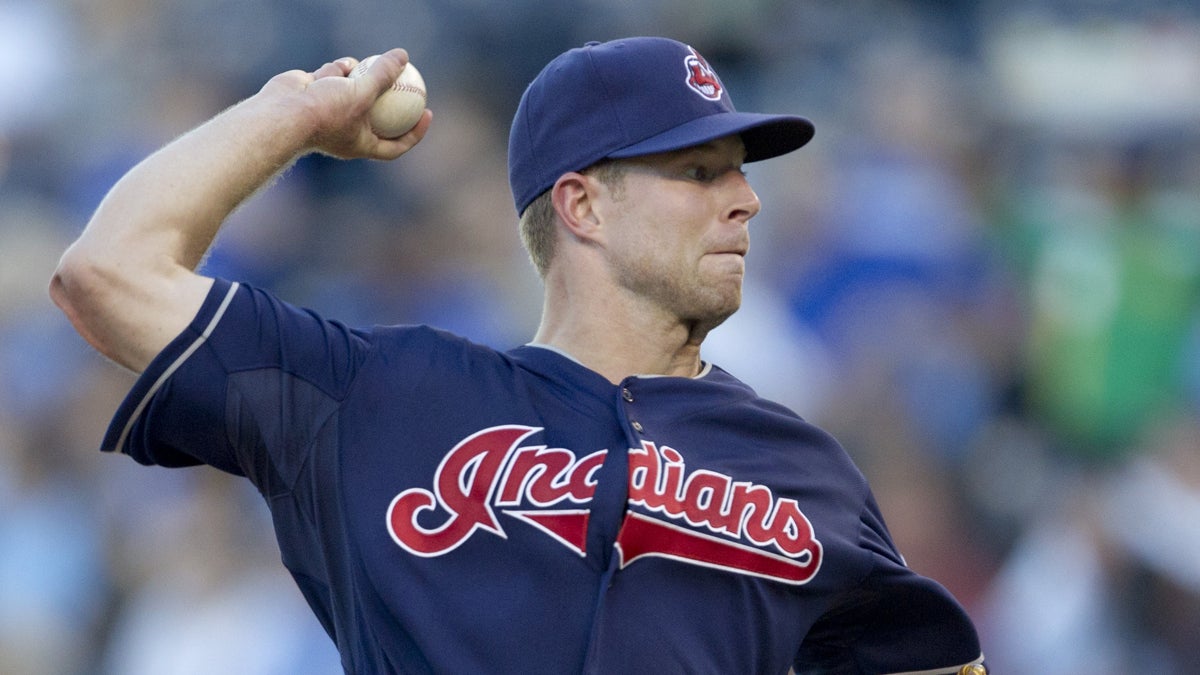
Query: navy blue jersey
446, 507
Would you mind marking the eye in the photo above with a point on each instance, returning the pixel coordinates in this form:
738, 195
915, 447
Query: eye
703, 173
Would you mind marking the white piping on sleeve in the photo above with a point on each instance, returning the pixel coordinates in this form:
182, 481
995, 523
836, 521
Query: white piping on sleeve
212, 324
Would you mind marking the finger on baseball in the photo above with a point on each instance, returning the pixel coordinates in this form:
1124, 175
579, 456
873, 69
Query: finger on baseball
387, 68
393, 148
399, 54
338, 68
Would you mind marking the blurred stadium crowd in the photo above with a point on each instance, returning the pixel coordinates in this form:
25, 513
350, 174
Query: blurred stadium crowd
983, 276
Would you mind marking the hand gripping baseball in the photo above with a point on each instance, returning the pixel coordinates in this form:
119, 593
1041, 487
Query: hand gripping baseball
400, 107
340, 106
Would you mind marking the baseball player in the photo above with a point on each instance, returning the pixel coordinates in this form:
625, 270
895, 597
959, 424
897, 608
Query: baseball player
599, 500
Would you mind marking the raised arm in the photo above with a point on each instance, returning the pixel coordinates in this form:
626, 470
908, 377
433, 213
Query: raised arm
128, 284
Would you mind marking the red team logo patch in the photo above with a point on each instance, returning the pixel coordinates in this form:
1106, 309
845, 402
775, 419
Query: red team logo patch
701, 77
699, 517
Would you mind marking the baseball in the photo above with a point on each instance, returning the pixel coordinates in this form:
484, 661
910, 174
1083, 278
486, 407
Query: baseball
398, 109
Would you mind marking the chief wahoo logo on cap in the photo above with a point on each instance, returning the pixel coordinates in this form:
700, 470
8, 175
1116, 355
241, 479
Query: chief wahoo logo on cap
701, 77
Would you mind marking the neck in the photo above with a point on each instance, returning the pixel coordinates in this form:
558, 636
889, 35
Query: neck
615, 337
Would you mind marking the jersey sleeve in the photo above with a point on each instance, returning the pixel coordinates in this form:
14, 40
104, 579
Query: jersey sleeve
244, 388
893, 621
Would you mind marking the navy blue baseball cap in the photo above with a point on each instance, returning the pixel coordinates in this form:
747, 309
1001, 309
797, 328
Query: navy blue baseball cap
625, 98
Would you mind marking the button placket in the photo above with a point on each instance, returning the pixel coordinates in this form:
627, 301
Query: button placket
627, 397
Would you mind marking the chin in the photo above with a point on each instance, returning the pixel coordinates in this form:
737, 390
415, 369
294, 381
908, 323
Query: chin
716, 314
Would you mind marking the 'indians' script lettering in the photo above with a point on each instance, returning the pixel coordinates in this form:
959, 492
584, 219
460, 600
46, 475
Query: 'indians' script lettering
700, 517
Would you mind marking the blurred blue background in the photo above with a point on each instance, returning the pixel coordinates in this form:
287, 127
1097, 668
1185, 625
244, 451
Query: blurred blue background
982, 277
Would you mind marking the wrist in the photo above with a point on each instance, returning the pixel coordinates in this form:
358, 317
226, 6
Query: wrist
283, 127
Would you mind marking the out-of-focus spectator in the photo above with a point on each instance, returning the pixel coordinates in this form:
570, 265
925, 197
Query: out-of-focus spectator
1113, 287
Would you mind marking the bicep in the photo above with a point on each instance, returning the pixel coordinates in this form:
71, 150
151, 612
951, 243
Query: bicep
127, 318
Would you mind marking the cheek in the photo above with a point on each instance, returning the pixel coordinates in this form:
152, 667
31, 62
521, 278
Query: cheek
666, 249
663, 231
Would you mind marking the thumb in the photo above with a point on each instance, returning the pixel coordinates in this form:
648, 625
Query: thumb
380, 72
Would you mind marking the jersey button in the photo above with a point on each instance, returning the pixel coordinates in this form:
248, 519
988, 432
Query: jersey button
627, 395
637, 426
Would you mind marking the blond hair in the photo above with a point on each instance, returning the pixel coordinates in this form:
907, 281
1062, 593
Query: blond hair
538, 221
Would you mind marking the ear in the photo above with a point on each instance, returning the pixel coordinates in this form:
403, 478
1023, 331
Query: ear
574, 198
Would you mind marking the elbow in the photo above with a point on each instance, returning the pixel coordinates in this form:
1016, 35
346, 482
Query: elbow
63, 283
84, 290
126, 311
59, 285
78, 288
70, 283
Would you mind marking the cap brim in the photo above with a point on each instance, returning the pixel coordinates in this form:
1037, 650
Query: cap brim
765, 136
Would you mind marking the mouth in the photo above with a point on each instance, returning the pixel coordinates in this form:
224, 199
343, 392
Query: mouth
729, 262
735, 255
731, 252
739, 247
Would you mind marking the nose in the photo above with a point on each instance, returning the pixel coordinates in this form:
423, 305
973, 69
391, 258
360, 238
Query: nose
745, 203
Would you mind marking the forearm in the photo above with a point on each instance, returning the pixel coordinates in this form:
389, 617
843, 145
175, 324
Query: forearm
135, 259
128, 283
168, 209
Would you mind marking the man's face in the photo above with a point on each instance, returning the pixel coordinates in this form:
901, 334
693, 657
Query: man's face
677, 232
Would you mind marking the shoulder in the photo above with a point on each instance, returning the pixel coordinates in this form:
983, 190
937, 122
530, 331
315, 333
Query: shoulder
423, 359
434, 346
